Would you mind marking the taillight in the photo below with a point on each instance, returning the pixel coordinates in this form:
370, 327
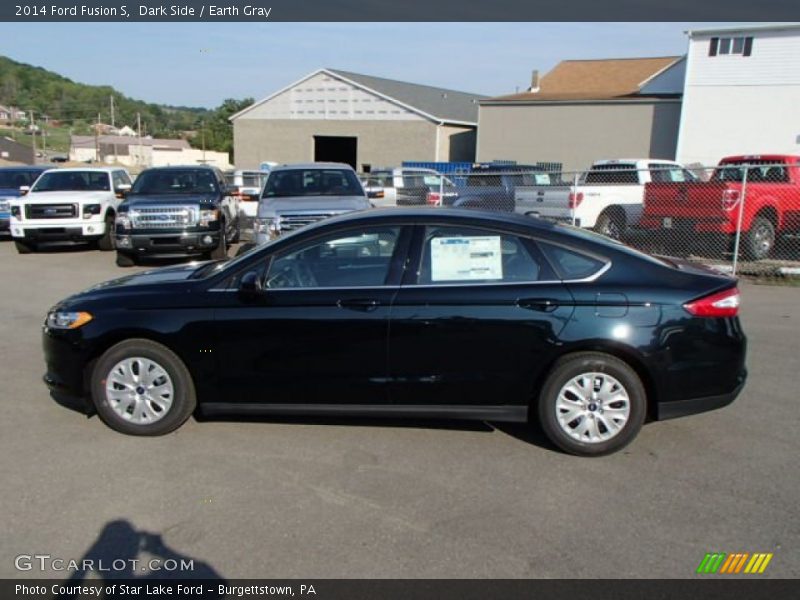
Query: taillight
720, 304
575, 199
730, 198
434, 198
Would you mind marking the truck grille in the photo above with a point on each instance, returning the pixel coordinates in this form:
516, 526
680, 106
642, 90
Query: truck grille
296, 221
164, 217
51, 211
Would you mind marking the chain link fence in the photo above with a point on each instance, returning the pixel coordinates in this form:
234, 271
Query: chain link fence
742, 218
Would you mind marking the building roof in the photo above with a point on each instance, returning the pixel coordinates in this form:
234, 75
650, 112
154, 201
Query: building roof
744, 28
438, 104
88, 141
604, 79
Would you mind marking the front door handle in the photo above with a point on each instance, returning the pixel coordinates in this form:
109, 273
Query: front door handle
362, 304
540, 304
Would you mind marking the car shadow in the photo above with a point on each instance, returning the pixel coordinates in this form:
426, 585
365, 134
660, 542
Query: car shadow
73, 403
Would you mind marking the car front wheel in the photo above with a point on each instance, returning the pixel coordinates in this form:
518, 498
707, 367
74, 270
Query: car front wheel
140, 387
592, 404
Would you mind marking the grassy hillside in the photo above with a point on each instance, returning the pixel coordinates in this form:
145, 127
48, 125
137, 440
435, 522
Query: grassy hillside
77, 105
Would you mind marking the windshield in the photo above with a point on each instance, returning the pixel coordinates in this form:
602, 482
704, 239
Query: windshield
312, 182
73, 181
16, 179
175, 181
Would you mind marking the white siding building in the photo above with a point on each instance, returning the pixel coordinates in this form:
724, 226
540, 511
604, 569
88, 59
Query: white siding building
742, 93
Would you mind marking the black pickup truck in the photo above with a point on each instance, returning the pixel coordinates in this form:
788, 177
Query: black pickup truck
177, 211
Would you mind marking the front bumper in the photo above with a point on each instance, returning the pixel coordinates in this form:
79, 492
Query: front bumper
168, 244
5, 221
56, 233
66, 357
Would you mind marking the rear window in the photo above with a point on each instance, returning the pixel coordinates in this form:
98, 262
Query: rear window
312, 182
622, 174
73, 181
571, 264
16, 179
758, 171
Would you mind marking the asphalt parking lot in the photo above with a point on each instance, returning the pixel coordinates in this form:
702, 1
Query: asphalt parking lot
411, 499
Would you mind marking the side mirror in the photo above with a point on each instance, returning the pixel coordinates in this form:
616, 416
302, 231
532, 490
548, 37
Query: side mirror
24, 189
123, 189
250, 284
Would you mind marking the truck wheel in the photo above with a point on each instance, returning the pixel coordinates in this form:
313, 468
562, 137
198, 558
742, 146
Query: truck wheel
758, 243
237, 233
610, 225
106, 243
125, 260
592, 404
221, 251
24, 247
140, 387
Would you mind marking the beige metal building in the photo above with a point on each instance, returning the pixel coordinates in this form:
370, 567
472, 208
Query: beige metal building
339, 116
587, 110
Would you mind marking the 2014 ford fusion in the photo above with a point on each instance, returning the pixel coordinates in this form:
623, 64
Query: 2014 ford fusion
410, 312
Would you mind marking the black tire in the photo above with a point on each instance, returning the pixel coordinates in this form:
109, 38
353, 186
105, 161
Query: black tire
759, 242
125, 260
106, 243
572, 366
183, 401
610, 225
221, 251
24, 247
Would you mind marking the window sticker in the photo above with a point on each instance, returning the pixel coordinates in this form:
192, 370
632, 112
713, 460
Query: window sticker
466, 258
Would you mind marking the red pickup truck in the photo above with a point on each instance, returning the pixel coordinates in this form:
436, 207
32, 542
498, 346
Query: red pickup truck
698, 209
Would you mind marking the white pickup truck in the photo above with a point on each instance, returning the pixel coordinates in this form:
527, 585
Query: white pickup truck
69, 205
607, 198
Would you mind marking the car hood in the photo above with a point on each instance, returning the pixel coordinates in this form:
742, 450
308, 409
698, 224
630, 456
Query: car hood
60, 197
269, 207
170, 199
9, 192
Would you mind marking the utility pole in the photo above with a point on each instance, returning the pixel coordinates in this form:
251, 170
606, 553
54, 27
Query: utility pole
203, 138
69, 155
112, 110
139, 129
33, 137
97, 139
44, 135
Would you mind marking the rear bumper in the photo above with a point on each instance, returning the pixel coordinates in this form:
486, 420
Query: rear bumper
667, 223
168, 244
693, 406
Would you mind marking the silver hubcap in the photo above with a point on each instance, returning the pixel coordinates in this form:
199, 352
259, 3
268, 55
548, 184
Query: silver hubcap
139, 390
763, 239
592, 407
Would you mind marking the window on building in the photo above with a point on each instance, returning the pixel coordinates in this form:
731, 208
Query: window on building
742, 46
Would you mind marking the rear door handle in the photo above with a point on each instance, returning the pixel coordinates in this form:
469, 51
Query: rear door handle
364, 305
540, 304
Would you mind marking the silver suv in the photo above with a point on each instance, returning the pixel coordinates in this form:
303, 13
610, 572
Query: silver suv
298, 195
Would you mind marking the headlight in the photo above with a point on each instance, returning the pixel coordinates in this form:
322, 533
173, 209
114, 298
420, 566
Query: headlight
124, 220
91, 209
5, 206
270, 226
67, 320
208, 216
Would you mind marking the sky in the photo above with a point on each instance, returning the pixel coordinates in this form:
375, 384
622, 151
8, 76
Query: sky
201, 64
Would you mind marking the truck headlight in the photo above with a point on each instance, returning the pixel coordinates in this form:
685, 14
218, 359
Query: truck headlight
208, 216
89, 210
57, 319
123, 220
270, 226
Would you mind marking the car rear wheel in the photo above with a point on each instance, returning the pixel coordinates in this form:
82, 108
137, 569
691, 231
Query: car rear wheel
592, 404
140, 387
610, 225
24, 247
760, 240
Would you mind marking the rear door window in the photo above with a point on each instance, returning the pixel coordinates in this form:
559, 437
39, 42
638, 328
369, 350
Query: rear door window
571, 264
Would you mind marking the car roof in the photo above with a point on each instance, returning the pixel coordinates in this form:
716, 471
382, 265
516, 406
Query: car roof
182, 168
83, 169
315, 165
